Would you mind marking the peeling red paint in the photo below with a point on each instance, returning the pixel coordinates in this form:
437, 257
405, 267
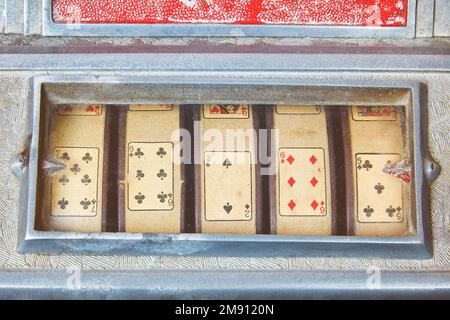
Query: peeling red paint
296, 12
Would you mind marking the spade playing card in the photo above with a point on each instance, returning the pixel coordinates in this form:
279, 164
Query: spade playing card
379, 195
228, 186
74, 190
226, 111
150, 176
301, 182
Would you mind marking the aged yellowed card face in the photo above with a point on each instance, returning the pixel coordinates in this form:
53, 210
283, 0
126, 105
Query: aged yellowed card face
379, 194
150, 107
302, 182
150, 176
74, 190
73, 201
303, 190
380, 200
228, 180
153, 175
298, 109
228, 186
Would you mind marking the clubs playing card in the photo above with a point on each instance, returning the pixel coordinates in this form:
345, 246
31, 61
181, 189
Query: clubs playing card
226, 111
301, 182
228, 186
298, 109
379, 113
150, 176
379, 195
80, 110
74, 190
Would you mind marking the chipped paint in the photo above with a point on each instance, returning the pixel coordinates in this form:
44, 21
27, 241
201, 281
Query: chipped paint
295, 12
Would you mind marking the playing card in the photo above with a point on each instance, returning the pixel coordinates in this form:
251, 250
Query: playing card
152, 189
379, 195
80, 110
374, 113
150, 176
74, 190
228, 186
226, 111
302, 182
150, 107
380, 200
298, 109
302, 202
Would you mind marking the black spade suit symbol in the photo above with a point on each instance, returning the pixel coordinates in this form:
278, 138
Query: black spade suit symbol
228, 207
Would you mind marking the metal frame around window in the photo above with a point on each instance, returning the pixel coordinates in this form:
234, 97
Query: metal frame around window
31, 241
50, 28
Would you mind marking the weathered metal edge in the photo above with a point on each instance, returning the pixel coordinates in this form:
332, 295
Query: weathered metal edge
195, 284
201, 30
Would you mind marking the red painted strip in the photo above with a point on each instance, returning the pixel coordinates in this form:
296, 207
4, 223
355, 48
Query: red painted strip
295, 12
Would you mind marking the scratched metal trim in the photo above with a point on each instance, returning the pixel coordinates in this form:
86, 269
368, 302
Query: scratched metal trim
221, 30
207, 284
418, 246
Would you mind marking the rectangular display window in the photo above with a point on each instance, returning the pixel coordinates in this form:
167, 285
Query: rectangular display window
327, 165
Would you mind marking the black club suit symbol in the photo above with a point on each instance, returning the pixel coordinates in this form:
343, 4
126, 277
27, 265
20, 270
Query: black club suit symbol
85, 203
86, 180
368, 211
161, 152
63, 180
139, 198
65, 156
63, 203
75, 168
139, 174
367, 165
391, 210
379, 187
139, 153
87, 157
162, 197
161, 174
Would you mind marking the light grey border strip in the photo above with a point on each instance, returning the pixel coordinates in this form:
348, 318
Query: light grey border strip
225, 62
224, 284
33, 17
201, 30
14, 16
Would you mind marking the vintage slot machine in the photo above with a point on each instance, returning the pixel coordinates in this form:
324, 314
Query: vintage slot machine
187, 144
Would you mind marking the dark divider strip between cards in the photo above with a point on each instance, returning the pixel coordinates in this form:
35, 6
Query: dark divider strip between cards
262, 202
341, 183
113, 168
269, 180
348, 160
263, 120
190, 196
122, 153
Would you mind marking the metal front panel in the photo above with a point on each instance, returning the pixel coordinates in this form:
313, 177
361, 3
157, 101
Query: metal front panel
320, 276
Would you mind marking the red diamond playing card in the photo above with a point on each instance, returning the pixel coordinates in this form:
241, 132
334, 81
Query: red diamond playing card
301, 185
